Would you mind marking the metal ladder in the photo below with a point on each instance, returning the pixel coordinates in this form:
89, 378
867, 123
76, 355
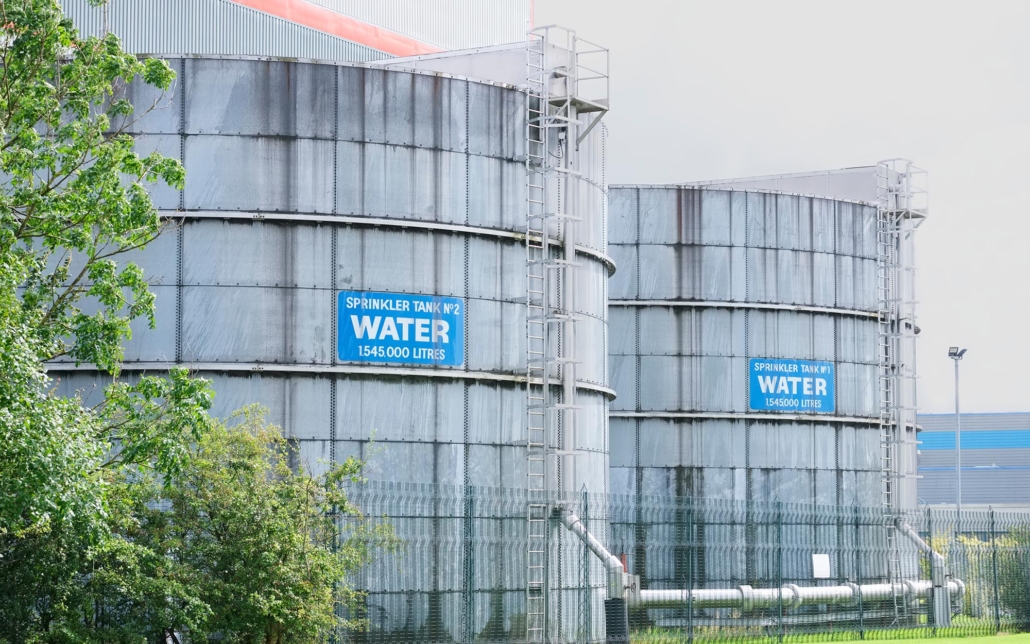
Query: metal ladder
888, 358
540, 301
537, 377
556, 70
902, 208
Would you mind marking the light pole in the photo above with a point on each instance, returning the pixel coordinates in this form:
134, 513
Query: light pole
956, 354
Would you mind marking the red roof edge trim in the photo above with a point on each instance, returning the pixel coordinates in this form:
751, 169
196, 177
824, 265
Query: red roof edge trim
341, 26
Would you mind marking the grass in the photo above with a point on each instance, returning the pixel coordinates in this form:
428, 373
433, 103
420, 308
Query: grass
965, 630
1001, 638
1019, 638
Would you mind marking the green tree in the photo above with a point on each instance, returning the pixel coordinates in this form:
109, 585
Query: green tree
236, 544
137, 519
1014, 575
997, 574
264, 547
72, 199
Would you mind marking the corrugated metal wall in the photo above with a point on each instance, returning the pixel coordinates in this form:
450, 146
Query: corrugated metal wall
222, 27
995, 459
448, 24
708, 279
213, 27
307, 179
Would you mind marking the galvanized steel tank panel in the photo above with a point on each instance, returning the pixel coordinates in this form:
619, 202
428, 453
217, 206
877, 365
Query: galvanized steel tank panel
698, 245
711, 278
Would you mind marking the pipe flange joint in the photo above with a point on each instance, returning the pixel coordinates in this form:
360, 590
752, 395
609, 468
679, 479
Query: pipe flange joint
911, 590
747, 596
961, 586
796, 601
856, 593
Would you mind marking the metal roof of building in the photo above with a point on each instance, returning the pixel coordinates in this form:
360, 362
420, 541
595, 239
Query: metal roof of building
338, 30
975, 422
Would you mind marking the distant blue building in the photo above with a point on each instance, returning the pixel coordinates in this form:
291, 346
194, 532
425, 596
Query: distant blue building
995, 459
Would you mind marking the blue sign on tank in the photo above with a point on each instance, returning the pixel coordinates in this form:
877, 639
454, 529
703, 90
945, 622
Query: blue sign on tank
400, 328
798, 386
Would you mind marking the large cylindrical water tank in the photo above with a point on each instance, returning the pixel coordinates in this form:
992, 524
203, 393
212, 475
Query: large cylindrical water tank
309, 184
728, 309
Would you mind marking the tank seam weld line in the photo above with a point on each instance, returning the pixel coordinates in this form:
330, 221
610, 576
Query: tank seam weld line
375, 222
250, 367
703, 245
517, 161
391, 144
746, 305
742, 416
400, 441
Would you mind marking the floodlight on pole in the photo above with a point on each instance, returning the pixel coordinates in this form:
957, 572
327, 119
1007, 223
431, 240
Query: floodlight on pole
956, 354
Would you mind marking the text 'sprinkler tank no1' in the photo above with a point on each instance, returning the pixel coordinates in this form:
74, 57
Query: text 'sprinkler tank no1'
351, 253
753, 356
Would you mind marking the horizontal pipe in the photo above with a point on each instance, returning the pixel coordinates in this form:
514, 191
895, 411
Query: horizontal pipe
791, 596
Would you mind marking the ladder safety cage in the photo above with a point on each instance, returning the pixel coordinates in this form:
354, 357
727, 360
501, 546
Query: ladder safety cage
558, 67
902, 207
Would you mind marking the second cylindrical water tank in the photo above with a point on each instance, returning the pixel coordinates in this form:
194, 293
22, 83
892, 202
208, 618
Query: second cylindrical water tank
743, 353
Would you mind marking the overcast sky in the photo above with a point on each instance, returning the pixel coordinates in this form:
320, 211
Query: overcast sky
707, 90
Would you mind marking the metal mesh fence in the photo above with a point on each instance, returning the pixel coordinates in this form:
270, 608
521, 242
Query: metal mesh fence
702, 569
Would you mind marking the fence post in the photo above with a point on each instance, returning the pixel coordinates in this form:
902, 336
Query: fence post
585, 596
929, 562
680, 549
994, 573
779, 566
468, 603
858, 574
691, 554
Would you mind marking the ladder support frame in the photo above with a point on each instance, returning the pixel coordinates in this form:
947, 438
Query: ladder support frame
902, 206
556, 72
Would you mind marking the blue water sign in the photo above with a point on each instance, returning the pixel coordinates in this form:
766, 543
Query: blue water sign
798, 386
401, 328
